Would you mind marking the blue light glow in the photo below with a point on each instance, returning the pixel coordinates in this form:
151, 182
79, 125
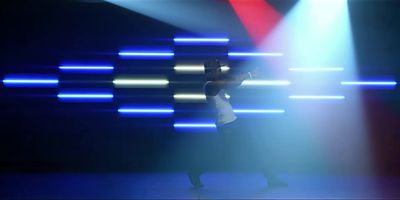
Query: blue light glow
316, 37
30, 81
253, 54
131, 111
317, 97
146, 54
24, 81
201, 40
316, 69
84, 68
265, 83
85, 96
370, 83
146, 110
195, 125
259, 111
89, 96
200, 17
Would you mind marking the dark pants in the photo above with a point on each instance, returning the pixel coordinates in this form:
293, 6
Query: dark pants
244, 148
240, 148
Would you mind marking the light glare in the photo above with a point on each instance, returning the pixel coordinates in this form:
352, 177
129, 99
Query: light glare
374, 83
260, 111
265, 83
253, 54
316, 69
338, 97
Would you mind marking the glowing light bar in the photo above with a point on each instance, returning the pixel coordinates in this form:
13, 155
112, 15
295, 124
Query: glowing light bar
260, 111
142, 110
141, 82
370, 83
29, 81
194, 68
85, 96
145, 54
195, 125
201, 40
316, 97
224, 68
81, 68
189, 68
265, 83
316, 69
253, 54
187, 96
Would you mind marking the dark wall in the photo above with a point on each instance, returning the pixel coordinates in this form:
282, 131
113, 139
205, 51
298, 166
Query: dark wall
37, 131
376, 29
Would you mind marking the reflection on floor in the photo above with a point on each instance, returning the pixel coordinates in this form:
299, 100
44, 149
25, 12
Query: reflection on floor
176, 186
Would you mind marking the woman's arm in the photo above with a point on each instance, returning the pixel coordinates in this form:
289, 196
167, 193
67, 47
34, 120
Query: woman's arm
213, 87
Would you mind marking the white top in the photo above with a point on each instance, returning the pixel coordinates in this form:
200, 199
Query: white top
224, 110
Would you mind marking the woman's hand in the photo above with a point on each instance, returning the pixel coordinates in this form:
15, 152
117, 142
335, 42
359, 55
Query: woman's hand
256, 73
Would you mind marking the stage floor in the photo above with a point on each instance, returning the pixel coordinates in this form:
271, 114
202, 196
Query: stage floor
176, 186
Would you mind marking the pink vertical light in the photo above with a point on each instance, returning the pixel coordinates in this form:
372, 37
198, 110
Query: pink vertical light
258, 17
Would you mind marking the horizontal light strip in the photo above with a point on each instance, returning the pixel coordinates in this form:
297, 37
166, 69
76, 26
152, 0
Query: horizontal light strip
146, 54
316, 69
315, 97
194, 68
375, 83
259, 54
31, 81
258, 111
200, 40
85, 96
84, 68
187, 96
190, 96
224, 68
194, 125
142, 110
264, 83
189, 68
144, 82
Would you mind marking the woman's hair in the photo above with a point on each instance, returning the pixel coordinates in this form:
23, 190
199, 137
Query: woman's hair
211, 64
